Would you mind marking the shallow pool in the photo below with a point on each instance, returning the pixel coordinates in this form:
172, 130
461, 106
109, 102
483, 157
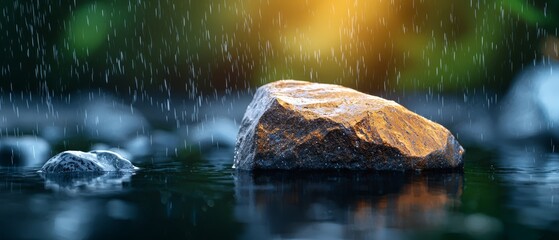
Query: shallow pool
512, 195
186, 187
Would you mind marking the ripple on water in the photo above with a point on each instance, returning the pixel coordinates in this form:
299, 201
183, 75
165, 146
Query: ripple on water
532, 183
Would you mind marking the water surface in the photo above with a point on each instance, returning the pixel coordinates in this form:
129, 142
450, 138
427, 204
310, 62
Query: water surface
511, 195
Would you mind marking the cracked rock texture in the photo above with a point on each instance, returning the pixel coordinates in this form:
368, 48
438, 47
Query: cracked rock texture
300, 125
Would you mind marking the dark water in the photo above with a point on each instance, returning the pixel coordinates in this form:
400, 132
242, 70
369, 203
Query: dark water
513, 195
186, 188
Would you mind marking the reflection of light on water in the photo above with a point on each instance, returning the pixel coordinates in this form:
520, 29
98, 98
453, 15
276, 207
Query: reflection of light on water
338, 206
532, 178
73, 221
320, 230
84, 182
76, 217
480, 225
418, 202
118, 209
416, 206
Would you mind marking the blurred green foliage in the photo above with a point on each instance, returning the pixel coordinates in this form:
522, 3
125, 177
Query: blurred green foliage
87, 29
537, 13
189, 47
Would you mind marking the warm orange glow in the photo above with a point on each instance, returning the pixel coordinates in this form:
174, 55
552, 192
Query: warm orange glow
417, 197
373, 46
331, 24
550, 47
416, 205
326, 41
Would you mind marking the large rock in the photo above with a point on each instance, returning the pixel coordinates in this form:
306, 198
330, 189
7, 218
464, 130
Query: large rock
300, 125
93, 161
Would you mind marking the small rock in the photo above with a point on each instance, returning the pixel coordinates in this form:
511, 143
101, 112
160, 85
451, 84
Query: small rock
23, 151
93, 161
530, 109
301, 125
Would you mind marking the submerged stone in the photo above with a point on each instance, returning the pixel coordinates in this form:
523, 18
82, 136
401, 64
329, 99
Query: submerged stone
93, 161
301, 125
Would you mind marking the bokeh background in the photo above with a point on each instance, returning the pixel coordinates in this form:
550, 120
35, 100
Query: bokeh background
166, 83
190, 47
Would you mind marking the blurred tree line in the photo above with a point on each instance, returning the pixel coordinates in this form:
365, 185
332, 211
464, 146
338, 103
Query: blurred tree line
187, 47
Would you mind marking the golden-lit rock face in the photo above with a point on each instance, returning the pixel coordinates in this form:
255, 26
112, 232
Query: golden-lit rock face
301, 125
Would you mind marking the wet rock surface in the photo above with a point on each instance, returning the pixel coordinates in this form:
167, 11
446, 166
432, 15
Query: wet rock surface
300, 125
93, 161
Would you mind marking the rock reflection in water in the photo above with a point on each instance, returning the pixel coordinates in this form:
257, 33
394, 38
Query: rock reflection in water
84, 182
343, 204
